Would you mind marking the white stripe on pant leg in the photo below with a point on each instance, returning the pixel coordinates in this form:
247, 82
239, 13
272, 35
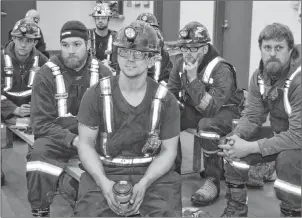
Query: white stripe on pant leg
43, 167
287, 187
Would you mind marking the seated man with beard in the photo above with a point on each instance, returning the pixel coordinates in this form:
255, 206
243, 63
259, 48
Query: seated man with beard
57, 92
275, 89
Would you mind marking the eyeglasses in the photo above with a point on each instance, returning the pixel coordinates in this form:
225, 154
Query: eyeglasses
127, 53
191, 49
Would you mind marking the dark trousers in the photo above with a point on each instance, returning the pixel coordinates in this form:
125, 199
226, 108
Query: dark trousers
162, 198
221, 123
288, 169
44, 163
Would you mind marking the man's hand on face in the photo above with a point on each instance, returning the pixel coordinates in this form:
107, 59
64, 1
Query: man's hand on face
107, 189
137, 198
23, 110
191, 70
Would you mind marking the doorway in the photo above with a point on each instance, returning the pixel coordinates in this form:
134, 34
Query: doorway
232, 36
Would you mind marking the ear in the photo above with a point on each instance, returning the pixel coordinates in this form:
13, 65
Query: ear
206, 49
36, 42
151, 61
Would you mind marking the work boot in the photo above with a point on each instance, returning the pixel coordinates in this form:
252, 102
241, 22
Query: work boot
40, 212
262, 172
2, 178
289, 213
236, 196
207, 194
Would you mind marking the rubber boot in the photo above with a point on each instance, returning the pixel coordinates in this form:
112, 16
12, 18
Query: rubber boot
236, 196
209, 192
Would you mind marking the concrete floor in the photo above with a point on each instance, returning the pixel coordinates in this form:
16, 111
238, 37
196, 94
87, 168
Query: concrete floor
262, 202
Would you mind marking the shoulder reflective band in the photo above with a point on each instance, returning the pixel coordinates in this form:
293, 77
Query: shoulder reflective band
43, 167
287, 105
109, 47
60, 89
8, 79
208, 71
261, 85
94, 72
287, 187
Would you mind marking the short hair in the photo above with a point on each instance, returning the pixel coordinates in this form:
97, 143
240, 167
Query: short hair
277, 31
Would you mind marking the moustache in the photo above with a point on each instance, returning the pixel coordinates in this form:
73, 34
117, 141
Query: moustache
273, 60
72, 56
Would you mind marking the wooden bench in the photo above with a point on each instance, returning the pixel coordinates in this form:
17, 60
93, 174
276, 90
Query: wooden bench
73, 165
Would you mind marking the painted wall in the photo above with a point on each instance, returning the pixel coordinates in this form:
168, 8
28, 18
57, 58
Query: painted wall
267, 12
55, 13
201, 11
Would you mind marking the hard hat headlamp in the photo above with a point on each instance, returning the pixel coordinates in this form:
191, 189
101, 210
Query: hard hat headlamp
130, 33
23, 29
183, 33
144, 18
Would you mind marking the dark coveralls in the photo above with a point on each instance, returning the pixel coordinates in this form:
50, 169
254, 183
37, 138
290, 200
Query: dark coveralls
99, 46
20, 79
285, 146
53, 136
212, 114
163, 197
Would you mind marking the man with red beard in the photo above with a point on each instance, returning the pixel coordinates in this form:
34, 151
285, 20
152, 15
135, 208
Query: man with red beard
102, 37
275, 89
57, 92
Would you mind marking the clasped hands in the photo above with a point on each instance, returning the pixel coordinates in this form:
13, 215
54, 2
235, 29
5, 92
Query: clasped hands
237, 148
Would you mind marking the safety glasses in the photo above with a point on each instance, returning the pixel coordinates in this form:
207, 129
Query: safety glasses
127, 53
191, 49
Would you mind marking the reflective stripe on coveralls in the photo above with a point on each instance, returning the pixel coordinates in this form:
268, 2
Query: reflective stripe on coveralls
43, 167
287, 187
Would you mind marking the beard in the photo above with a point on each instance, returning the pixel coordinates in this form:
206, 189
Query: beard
188, 58
273, 68
101, 27
73, 62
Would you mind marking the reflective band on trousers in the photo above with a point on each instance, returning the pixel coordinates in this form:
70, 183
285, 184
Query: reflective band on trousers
287, 187
43, 167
